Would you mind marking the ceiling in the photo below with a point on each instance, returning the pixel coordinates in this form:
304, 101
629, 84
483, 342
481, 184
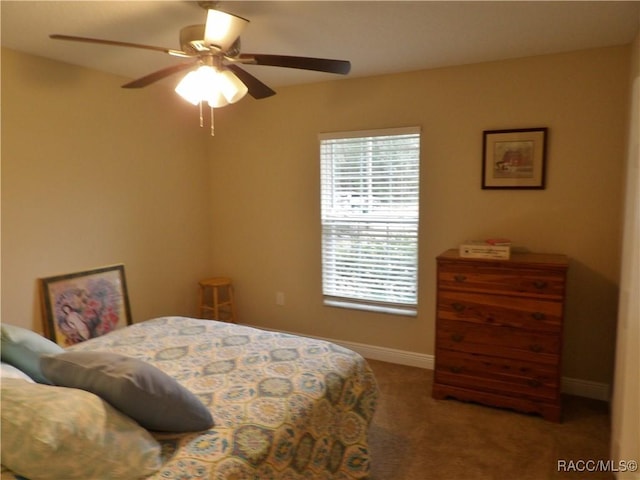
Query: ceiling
378, 37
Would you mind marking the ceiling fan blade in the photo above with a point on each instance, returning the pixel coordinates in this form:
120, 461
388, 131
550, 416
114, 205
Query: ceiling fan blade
305, 63
159, 75
178, 53
257, 89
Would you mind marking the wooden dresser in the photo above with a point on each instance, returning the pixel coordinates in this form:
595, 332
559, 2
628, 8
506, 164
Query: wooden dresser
499, 331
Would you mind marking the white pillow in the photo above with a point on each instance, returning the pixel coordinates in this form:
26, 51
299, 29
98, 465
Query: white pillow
9, 371
50, 433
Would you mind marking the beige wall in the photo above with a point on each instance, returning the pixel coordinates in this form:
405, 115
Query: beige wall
265, 195
94, 175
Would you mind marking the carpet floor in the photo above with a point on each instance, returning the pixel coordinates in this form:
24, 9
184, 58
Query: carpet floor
414, 437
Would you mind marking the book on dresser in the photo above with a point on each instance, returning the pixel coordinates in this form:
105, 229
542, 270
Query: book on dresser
480, 249
499, 331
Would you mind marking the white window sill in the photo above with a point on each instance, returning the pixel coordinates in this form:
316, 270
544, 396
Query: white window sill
405, 311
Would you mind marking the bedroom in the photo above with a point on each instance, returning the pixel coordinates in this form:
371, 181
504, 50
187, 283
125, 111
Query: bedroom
93, 175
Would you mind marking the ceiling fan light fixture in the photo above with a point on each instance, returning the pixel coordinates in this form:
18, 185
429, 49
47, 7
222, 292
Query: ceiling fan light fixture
206, 84
215, 46
222, 29
189, 88
217, 100
231, 86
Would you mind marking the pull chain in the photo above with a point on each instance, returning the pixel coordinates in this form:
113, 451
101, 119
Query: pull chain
202, 118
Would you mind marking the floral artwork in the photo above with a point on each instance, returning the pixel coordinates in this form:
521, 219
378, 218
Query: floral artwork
84, 305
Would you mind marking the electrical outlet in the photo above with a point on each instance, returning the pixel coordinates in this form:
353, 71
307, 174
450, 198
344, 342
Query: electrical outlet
280, 298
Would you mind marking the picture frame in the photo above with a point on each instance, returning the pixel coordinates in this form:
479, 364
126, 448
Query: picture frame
514, 159
82, 305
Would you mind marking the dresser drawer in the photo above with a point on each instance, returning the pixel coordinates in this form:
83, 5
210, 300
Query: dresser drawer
498, 375
503, 342
501, 310
487, 277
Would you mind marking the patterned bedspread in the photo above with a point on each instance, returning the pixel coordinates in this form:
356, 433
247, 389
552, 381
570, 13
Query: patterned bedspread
284, 406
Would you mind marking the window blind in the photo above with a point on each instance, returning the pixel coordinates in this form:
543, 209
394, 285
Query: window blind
369, 209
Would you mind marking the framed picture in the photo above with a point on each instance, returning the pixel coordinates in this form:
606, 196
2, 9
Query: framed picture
83, 305
514, 158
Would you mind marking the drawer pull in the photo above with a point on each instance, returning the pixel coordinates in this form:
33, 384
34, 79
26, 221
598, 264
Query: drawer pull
536, 348
534, 383
457, 337
540, 284
538, 316
459, 278
458, 307
456, 369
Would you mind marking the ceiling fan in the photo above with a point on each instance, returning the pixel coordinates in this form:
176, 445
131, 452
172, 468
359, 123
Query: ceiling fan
215, 49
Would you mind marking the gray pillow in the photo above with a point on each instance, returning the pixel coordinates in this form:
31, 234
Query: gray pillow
22, 348
140, 390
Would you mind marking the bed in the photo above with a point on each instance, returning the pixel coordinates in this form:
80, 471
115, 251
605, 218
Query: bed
283, 406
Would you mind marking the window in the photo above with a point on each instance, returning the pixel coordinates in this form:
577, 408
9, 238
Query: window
370, 192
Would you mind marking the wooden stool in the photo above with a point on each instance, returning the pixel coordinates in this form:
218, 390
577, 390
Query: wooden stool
219, 304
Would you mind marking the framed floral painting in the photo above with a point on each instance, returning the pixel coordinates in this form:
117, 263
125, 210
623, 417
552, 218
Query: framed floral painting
82, 305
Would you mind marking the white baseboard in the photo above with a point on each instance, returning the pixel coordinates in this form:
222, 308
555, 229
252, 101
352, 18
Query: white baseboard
390, 355
586, 388
571, 386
